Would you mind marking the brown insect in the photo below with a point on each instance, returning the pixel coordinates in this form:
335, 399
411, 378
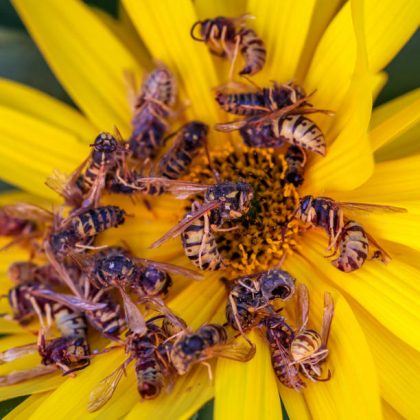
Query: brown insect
309, 348
279, 336
152, 107
83, 190
23, 222
296, 160
251, 296
222, 201
328, 214
209, 341
152, 366
226, 37
353, 248
285, 125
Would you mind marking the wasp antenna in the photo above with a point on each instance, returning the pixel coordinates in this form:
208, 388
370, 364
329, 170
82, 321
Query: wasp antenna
215, 173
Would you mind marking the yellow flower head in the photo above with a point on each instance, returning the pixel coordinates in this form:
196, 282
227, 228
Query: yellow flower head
335, 50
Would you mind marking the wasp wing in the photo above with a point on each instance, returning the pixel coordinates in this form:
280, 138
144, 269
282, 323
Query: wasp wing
368, 207
103, 392
28, 211
17, 352
172, 268
232, 126
134, 318
73, 302
186, 221
303, 306
327, 318
24, 375
234, 351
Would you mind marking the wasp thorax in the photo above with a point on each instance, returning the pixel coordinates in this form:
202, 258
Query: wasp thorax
63, 242
277, 284
195, 134
115, 268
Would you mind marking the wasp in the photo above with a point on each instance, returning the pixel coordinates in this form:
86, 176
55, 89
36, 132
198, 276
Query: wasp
116, 267
251, 296
23, 222
328, 214
261, 101
70, 352
82, 190
309, 348
296, 159
152, 107
152, 366
188, 142
199, 242
210, 340
226, 37
353, 248
222, 202
280, 335
287, 124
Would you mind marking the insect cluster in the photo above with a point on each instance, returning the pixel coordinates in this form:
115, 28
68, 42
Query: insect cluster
74, 284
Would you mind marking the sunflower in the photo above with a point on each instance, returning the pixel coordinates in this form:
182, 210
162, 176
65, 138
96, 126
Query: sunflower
334, 48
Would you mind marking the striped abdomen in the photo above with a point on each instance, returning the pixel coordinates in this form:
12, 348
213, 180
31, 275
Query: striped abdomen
150, 376
300, 131
201, 248
295, 158
187, 145
353, 248
160, 85
253, 51
68, 322
97, 220
147, 138
305, 345
241, 103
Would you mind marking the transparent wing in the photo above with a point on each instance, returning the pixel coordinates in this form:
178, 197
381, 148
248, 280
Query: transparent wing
303, 306
17, 352
186, 221
103, 392
232, 126
371, 207
73, 302
234, 351
327, 318
180, 189
171, 268
134, 318
28, 211
24, 375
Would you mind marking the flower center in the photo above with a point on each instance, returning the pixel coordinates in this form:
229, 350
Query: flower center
259, 240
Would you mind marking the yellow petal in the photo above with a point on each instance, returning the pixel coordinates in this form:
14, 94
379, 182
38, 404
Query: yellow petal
284, 27
247, 390
32, 148
24, 410
397, 364
349, 161
396, 180
189, 394
39, 105
189, 60
389, 25
296, 406
353, 387
85, 56
209, 9
124, 30
395, 126
379, 81
389, 413
388, 292
324, 11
